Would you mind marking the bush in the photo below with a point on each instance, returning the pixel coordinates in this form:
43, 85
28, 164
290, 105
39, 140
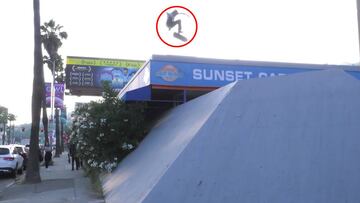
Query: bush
106, 131
94, 175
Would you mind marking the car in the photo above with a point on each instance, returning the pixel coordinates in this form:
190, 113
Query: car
21, 149
10, 160
27, 148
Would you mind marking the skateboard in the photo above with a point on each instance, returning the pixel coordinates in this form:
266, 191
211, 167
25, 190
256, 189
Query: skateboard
180, 37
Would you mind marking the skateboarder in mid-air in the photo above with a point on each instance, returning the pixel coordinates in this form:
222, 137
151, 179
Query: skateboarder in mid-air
171, 22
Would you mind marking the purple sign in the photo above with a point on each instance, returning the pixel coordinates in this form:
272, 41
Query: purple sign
59, 95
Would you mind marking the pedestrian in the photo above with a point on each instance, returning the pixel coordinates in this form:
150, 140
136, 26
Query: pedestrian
48, 155
74, 156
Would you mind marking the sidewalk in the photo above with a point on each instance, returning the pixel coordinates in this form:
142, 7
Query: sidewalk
59, 184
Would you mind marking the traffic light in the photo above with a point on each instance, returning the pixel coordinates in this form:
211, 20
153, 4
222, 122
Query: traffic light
22, 129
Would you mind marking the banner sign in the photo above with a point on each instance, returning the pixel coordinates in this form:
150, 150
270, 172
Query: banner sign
104, 62
90, 73
59, 95
210, 75
217, 75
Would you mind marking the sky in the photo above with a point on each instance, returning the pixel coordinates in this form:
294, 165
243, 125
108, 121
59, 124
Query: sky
301, 31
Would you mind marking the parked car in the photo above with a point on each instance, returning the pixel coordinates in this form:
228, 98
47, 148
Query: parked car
10, 160
27, 148
21, 149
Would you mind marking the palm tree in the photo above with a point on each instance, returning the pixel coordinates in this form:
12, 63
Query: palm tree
3, 120
11, 118
33, 170
59, 77
51, 38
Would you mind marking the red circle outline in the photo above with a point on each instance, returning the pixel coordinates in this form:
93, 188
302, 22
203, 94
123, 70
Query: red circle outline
157, 29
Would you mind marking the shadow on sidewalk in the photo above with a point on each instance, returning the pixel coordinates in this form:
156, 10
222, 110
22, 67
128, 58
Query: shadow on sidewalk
59, 184
22, 190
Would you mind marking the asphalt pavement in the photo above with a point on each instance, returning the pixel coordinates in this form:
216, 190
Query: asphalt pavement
59, 185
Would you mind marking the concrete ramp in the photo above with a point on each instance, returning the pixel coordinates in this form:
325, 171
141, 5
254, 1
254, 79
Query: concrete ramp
286, 139
140, 171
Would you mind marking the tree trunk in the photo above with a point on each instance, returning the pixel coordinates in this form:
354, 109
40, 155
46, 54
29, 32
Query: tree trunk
33, 169
3, 135
358, 19
9, 133
57, 133
62, 135
45, 120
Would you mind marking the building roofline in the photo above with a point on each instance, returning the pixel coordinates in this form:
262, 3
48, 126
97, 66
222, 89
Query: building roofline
189, 59
98, 58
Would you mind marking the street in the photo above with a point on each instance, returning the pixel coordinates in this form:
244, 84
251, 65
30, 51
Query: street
6, 180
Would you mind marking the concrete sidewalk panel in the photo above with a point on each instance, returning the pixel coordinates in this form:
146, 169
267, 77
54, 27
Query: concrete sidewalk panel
59, 184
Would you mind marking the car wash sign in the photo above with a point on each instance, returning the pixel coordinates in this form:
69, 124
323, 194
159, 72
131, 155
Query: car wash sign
211, 75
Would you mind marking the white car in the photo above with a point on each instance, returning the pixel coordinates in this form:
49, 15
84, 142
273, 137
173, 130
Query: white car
21, 149
10, 160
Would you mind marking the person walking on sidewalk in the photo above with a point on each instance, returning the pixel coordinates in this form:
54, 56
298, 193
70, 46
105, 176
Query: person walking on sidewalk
74, 156
48, 155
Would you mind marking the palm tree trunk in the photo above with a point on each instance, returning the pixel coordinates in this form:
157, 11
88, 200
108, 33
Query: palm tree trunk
9, 133
33, 170
62, 135
45, 119
358, 18
57, 133
3, 135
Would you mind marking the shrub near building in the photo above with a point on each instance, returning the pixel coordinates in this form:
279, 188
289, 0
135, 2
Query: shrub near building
106, 131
